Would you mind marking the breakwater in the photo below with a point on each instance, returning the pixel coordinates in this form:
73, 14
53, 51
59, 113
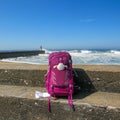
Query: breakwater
12, 54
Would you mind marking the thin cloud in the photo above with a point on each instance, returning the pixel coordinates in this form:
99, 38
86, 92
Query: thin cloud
87, 20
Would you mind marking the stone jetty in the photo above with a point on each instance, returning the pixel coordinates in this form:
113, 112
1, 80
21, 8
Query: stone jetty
11, 54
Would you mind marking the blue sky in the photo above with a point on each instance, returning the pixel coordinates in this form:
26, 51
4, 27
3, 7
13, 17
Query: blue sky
70, 24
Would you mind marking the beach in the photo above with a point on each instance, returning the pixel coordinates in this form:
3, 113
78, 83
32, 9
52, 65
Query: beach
14, 65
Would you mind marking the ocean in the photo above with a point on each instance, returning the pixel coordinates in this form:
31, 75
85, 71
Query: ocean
89, 57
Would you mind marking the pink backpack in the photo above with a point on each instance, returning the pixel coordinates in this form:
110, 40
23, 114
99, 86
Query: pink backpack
59, 78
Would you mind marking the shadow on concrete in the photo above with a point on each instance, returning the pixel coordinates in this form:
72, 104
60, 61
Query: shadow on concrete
83, 84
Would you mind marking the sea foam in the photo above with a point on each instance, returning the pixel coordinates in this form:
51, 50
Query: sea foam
105, 57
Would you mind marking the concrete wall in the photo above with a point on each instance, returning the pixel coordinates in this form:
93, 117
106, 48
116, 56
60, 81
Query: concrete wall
88, 103
29, 109
87, 80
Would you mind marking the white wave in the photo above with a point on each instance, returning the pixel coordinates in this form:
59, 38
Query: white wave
30, 60
80, 51
115, 52
44, 55
86, 51
73, 51
14, 61
78, 57
47, 51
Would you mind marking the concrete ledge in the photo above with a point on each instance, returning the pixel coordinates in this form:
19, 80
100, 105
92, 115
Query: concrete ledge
20, 81
107, 81
22, 105
100, 78
22, 77
24, 109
